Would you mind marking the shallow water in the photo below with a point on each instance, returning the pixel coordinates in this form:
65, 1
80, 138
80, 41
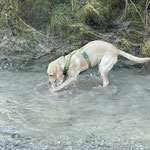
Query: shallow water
35, 118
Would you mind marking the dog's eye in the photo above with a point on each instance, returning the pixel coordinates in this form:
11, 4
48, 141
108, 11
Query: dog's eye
50, 75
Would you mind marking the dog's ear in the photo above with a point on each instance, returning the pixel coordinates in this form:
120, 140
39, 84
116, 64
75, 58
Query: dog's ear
59, 72
48, 69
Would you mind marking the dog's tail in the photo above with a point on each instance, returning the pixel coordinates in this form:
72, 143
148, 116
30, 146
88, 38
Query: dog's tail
134, 58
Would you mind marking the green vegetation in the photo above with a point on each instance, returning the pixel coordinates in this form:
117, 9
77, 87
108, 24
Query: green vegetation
95, 12
123, 22
145, 49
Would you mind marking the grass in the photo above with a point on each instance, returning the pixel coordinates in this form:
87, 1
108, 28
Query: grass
145, 48
125, 44
79, 20
129, 13
64, 22
95, 12
84, 30
60, 20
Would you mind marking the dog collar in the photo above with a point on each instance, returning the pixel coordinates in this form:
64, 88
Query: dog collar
85, 55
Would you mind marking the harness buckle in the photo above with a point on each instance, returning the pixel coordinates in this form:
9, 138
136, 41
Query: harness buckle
65, 71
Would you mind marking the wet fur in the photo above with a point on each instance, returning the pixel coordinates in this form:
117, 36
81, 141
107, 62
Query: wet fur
100, 52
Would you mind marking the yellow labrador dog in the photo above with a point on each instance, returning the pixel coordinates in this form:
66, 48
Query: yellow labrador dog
99, 52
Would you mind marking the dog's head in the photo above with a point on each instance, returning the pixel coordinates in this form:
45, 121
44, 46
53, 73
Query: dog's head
52, 73
55, 69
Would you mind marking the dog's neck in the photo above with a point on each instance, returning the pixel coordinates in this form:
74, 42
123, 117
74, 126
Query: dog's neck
62, 63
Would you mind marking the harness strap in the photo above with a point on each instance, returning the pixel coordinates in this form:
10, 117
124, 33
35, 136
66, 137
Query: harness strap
66, 68
85, 55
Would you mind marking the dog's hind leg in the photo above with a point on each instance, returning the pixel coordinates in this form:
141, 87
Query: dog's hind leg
106, 64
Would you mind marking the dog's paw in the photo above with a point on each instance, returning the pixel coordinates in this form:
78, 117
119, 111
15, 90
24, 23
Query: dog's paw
54, 89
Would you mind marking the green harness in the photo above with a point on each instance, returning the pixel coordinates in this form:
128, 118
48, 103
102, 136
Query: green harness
85, 55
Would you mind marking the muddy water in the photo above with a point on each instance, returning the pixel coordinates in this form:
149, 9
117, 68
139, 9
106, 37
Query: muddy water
85, 116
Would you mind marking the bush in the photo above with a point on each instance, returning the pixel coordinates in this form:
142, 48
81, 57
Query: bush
76, 20
64, 22
60, 20
95, 12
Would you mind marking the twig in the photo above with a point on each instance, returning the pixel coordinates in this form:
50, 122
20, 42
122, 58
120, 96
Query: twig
51, 51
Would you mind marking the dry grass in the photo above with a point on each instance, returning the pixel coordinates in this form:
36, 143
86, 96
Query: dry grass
95, 12
64, 22
85, 30
60, 21
125, 44
129, 13
145, 48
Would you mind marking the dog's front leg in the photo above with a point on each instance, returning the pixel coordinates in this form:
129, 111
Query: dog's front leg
63, 79
65, 84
